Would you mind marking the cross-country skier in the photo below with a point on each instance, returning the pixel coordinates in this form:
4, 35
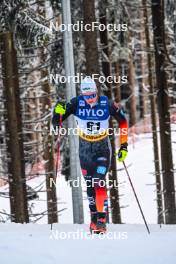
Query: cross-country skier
92, 113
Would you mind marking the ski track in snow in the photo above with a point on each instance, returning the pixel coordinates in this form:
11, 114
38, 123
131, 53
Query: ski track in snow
30, 244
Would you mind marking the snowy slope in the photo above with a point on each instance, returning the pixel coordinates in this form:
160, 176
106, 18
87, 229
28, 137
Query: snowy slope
68, 243
31, 244
141, 166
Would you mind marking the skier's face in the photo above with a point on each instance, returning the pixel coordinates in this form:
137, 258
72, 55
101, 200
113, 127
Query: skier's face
90, 98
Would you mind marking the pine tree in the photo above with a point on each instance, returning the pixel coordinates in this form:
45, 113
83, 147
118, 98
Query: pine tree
164, 114
152, 98
17, 181
90, 39
106, 70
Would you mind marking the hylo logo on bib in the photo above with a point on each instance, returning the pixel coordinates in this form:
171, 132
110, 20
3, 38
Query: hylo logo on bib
91, 112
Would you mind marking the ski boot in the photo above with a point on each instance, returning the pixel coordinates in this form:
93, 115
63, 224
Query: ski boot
101, 223
93, 223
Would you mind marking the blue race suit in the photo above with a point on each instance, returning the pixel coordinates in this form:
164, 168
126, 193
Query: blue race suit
94, 147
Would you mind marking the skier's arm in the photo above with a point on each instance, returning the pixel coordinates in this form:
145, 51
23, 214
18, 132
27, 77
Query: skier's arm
64, 111
117, 112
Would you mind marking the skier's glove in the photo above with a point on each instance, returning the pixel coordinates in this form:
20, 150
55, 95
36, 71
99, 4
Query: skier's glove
60, 109
123, 151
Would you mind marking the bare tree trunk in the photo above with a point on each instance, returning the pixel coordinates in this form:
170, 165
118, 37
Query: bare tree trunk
131, 77
49, 154
153, 118
106, 67
17, 181
164, 114
142, 61
91, 49
48, 143
117, 92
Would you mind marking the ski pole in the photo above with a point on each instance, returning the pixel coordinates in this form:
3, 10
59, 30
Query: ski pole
58, 155
148, 230
58, 147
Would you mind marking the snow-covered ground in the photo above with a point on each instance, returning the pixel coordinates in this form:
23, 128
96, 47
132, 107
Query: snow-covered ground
141, 166
67, 243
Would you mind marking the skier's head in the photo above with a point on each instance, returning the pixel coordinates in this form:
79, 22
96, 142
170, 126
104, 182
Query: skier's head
89, 90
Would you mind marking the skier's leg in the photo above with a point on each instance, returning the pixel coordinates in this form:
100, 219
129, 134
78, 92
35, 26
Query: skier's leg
86, 171
101, 199
94, 160
85, 156
90, 190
